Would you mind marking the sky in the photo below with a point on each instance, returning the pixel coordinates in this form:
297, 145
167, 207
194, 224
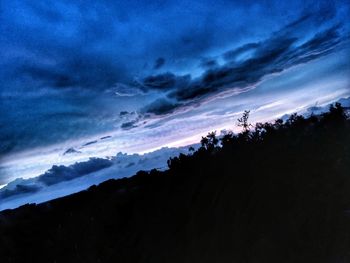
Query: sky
83, 79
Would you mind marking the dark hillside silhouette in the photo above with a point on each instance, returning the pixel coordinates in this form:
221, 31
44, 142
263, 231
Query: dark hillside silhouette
277, 192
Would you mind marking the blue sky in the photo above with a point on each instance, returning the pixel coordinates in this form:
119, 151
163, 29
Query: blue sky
155, 73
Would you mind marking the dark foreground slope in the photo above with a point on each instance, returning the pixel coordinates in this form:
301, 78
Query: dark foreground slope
280, 193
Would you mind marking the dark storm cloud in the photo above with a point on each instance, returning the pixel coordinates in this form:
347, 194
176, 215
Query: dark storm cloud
319, 45
161, 106
164, 82
159, 82
159, 63
67, 44
273, 55
60, 173
105, 137
98, 44
56, 174
19, 189
241, 74
89, 143
129, 125
130, 120
95, 45
208, 63
123, 113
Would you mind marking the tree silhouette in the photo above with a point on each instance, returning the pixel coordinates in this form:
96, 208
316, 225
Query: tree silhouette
275, 193
243, 121
210, 141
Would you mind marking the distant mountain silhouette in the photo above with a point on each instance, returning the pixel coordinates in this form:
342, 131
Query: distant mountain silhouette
277, 192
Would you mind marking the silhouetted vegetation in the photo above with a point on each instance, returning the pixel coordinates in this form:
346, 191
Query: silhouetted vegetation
277, 192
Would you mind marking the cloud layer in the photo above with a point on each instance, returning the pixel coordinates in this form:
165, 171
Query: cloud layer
278, 53
151, 72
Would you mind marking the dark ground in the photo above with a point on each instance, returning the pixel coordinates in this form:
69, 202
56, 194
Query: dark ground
279, 193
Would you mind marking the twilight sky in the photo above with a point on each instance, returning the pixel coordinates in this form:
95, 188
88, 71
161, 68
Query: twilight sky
92, 78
